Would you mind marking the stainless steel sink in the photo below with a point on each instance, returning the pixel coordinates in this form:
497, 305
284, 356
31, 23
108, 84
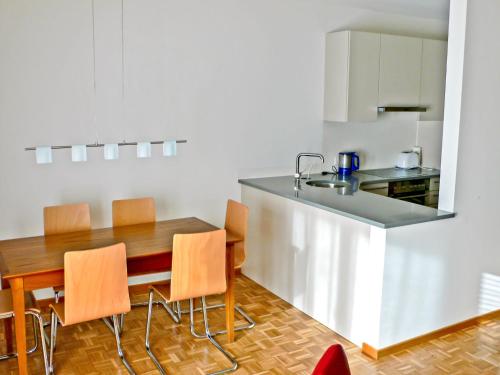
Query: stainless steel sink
327, 184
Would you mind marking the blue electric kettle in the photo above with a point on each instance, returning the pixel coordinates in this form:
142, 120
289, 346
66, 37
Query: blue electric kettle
348, 162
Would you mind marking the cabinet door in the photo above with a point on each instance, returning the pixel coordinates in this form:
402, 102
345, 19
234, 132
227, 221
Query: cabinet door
400, 70
351, 76
432, 89
336, 76
364, 66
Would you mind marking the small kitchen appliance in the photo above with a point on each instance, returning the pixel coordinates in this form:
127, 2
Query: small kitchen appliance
407, 160
348, 162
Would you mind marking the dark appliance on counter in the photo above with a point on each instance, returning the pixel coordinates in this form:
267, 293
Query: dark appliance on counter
413, 191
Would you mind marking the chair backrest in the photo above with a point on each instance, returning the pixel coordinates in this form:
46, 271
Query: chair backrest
66, 218
334, 361
133, 211
237, 222
95, 284
198, 265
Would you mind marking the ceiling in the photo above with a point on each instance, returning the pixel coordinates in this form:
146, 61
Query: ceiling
438, 9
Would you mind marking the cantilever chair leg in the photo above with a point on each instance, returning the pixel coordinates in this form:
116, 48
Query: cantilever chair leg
250, 322
37, 328
39, 318
119, 345
109, 323
115, 329
209, 336
53, 334
148, 331
173, 314
29, 351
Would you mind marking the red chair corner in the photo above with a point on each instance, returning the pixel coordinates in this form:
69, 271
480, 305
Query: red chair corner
333, 362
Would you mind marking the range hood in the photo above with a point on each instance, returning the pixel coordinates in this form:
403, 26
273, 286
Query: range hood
401, 108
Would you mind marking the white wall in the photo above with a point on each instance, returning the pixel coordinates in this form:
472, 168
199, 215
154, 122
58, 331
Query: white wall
453, 103
449, 271
241, 81
379, 143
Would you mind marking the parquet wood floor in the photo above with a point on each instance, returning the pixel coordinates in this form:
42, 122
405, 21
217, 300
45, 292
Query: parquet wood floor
285, 341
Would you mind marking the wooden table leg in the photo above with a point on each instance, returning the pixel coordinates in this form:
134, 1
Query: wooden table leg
17, 287
230, 293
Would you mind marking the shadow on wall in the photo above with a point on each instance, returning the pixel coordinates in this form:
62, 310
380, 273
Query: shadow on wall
489, 293
410, 271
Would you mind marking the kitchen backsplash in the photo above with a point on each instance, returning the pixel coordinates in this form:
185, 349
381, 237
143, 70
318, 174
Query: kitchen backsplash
379, 143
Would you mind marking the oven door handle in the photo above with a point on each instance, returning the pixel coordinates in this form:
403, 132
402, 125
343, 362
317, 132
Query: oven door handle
397, 196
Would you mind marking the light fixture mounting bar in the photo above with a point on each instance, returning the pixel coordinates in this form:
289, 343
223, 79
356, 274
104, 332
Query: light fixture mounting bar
102, 145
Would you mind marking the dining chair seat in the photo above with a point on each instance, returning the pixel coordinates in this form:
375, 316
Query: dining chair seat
6, 305
58, 309
163, 290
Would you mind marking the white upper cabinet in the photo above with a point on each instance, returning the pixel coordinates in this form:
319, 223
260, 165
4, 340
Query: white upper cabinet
433, 82
351, 76
400, 70
365, 70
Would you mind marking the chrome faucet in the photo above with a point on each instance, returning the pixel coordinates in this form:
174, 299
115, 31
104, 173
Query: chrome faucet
298, 174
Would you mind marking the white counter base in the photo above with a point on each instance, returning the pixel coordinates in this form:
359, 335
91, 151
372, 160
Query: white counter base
326, 265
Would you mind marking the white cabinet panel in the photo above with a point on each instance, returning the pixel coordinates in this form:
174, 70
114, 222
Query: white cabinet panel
364, 65
400, 70
351, 76
336, 76
433, 82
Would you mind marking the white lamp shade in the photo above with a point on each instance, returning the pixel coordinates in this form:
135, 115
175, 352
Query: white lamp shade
111, 151
43, 155
170, 148
79, 153
143, 150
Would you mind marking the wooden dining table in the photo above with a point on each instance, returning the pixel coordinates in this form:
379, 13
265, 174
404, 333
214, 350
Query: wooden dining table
38, 262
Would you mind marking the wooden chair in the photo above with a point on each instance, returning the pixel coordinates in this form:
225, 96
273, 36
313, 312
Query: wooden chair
65, 219
198, 270
237, 223
133, 211
7, 312
95, 287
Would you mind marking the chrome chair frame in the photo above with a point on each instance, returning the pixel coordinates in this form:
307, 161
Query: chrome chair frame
167, 308
208, 335
238, 309
35, 315
54, 320
57, 296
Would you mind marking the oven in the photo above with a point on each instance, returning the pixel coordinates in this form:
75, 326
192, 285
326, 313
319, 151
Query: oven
413, 191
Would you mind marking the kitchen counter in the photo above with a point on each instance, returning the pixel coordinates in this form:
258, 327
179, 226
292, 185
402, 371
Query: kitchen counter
352, 202
396, 174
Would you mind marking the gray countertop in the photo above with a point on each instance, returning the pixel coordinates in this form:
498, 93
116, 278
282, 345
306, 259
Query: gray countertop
396, 174
352, 202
